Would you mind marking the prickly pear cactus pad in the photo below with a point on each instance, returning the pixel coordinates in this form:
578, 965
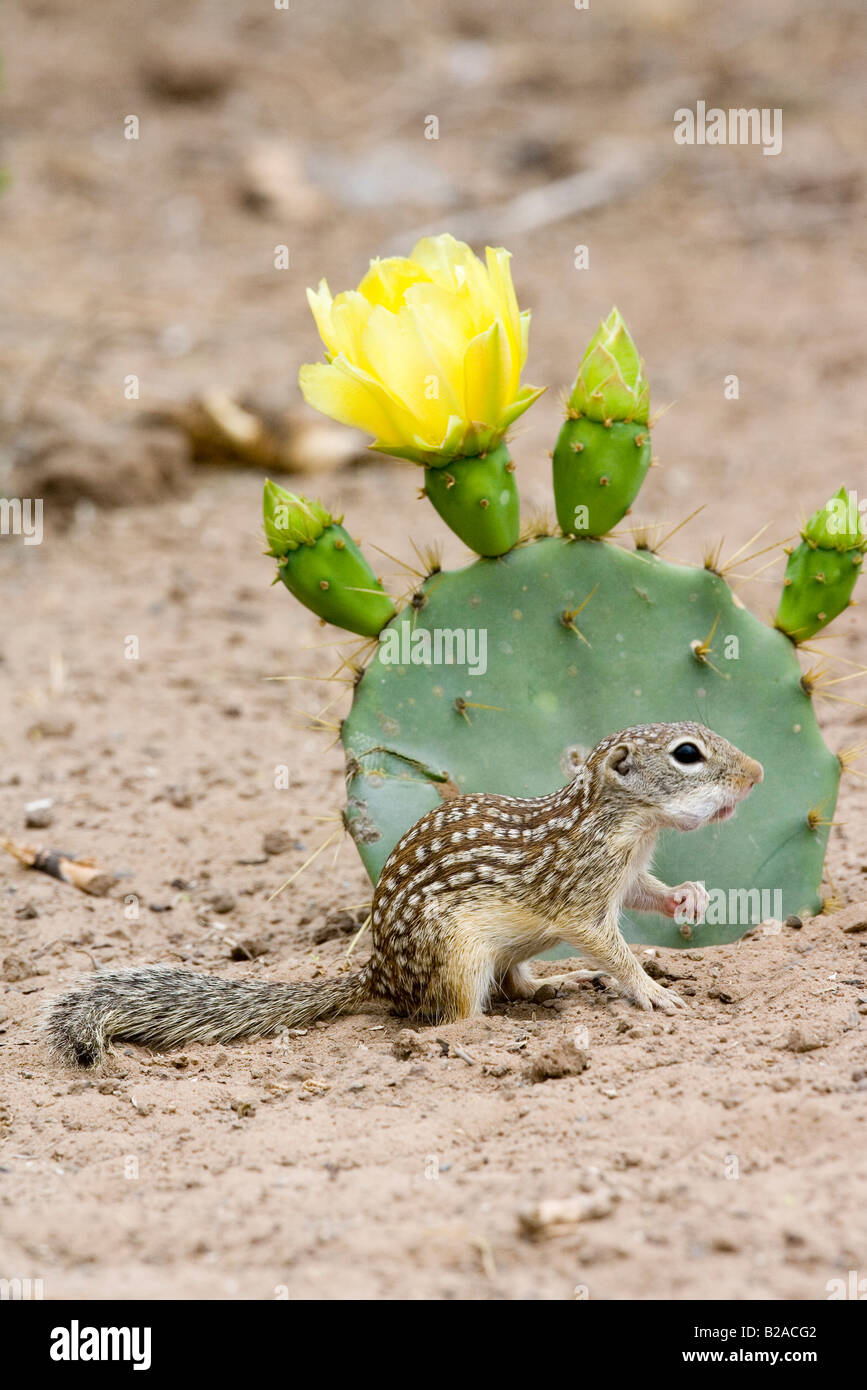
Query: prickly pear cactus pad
500, 676
822, 570
541, 694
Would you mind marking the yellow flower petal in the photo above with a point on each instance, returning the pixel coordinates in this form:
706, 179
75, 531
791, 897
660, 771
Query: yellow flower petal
486, 370
387, 281
320, 302
342, 392
399, 356
508, 313
453, 265
525, 335
443, 322
350, 312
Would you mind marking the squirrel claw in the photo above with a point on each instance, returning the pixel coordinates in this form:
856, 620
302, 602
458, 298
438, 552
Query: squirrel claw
670, 1003
688, 902
658, 998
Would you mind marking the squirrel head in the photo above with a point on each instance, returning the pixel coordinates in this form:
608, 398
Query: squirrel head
683, 775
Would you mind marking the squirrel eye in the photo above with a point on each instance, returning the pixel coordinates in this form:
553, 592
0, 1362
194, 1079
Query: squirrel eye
687, 753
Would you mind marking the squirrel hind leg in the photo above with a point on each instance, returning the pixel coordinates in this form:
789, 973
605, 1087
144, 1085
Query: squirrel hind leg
517, 982
459, 987
459, 993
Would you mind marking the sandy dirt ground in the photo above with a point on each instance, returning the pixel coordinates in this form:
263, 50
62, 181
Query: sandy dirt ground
719, 1154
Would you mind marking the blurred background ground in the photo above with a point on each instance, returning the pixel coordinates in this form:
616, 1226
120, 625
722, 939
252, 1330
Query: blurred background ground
155, 258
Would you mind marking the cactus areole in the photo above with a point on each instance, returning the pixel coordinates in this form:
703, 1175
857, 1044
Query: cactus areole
500, 676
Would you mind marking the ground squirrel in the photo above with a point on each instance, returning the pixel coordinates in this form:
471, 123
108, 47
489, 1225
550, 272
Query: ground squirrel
469, 894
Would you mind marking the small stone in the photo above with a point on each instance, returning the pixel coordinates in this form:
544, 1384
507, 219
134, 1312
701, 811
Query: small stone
276, 841
222, 902
248, 949
800, 1041
182, 73
15, 968
725, 1245
407, 1044
770, 926
852, 918
51, 728
344, 922
25, 912
557, 1217
563, 1059
794, 922
179, 796
38, 814
544, 993
326, 931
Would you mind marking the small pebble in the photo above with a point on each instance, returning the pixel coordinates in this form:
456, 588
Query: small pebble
798, 1040
248, 949
222, 902
51, 728
276, 841
39, 814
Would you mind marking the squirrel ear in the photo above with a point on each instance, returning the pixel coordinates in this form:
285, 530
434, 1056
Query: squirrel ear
620, 761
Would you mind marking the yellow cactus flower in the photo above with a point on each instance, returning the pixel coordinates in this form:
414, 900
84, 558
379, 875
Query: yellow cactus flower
426, 354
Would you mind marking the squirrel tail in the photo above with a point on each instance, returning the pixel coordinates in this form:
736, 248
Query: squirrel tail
162, 1007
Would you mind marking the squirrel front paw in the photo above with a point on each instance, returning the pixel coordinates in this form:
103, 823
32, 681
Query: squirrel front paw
687, 902
655, 996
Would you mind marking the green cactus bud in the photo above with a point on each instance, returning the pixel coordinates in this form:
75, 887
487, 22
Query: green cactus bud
822, 571
478, 499
837, 525
611, 384
322, 566
598, 471
603, 450
291, 520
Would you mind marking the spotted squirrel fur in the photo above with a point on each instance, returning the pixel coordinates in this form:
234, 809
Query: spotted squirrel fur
470, 893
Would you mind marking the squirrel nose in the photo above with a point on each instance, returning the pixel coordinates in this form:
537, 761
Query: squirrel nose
754, 771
